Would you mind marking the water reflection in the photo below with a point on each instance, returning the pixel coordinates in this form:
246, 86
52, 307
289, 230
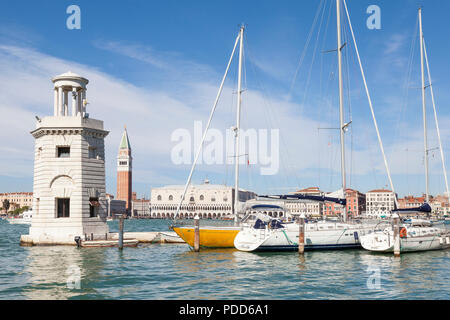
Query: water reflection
61, 272
158, 271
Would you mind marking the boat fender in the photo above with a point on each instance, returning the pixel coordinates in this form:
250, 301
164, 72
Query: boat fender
403, 233
447, 240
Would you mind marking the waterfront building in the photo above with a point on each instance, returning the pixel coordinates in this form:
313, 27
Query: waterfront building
115, 207
411, 202
124, 171
69, 169
312, 191
17, 200
140, 207
380, 202
356, 202
308, 207
440, 205
206, 200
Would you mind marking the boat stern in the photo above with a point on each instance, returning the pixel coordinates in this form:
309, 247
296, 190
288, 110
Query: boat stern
380, 242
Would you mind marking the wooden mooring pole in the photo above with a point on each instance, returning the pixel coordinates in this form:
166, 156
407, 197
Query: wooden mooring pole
121, 232
301, 235
196, 233
396, 235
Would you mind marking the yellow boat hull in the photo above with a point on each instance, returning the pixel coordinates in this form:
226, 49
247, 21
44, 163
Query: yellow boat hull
210, 237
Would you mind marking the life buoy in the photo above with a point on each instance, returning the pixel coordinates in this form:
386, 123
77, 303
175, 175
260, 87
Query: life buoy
403, 233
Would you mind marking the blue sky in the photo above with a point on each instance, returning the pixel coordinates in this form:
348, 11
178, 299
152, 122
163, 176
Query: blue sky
155, 66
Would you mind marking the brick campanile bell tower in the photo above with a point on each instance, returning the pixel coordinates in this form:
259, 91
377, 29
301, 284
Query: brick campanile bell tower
124, 168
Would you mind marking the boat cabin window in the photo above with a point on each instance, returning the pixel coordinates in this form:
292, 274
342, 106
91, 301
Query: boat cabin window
259, 224
275, 224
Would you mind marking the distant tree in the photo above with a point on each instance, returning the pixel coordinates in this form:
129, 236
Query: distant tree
6, 204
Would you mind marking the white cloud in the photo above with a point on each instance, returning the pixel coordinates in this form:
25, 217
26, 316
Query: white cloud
151, 115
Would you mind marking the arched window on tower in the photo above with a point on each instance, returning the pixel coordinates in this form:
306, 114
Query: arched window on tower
159, 198
170, 197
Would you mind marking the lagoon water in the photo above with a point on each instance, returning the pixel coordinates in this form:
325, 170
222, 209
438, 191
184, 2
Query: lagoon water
173, 271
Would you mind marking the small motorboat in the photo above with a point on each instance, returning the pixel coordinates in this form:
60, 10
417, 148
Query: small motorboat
108, 243
168, 237
24, 219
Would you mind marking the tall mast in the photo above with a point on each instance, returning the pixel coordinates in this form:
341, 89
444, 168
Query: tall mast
436, 120
424, 107
341, 102
369, 99
238, 124
207, 127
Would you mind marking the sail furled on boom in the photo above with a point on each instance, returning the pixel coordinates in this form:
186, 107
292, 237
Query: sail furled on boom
423, 208
340, 201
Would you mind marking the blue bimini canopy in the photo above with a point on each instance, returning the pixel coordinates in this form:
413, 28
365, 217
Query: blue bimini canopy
307, 197
265, 206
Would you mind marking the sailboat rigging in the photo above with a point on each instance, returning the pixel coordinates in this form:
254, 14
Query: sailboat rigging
417, 234
217, 236
324, 234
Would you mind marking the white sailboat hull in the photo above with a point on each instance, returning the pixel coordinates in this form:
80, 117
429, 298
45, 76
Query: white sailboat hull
286, 239
384, 242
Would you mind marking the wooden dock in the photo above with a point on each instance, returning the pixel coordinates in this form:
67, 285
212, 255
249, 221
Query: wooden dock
150, 237
140, 237
108, 243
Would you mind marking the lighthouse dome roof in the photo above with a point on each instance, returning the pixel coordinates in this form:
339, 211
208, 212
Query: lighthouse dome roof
70, 76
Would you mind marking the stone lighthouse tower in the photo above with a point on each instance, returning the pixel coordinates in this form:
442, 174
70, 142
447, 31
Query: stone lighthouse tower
124, 171
69, 169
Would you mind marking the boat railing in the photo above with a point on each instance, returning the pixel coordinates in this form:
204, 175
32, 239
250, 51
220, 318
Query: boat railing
208, 222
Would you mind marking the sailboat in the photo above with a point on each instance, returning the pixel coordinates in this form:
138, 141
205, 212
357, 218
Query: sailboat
415, 235
276, 236
219, 236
